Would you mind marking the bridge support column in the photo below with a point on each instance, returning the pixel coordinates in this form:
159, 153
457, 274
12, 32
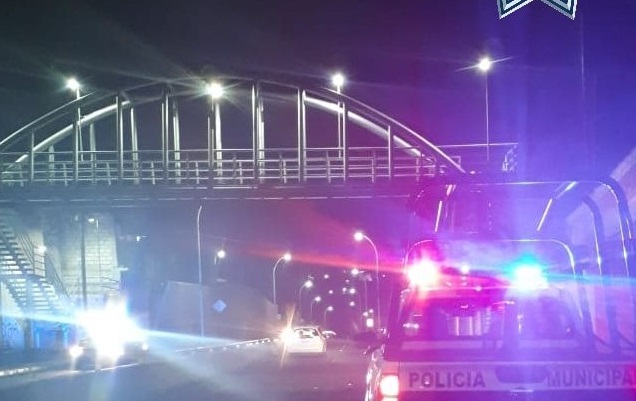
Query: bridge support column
302, 135
92, 143
165, 134
257, 130
77, 137
119, 115
343, 139
176, 139
214, 124
261, 135
133, 144
218, 141
390, 151
31, 158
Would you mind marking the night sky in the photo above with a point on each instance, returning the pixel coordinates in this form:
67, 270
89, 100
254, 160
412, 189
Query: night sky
566, 90
404, 57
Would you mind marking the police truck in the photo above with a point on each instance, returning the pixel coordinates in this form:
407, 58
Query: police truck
512, 291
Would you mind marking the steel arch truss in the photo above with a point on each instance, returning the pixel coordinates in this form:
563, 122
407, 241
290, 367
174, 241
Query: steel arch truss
135, 137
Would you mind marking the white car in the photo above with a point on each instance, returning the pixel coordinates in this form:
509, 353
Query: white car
304, 340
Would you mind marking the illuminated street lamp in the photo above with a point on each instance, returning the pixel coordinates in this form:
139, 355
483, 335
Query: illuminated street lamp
73, 85
316, 300
359, 236
352, 304
215, 92
355, 271
219, 255
338, 81
286, 257
484, 66
324, 318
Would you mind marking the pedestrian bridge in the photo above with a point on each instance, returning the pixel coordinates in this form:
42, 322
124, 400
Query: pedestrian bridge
242, 138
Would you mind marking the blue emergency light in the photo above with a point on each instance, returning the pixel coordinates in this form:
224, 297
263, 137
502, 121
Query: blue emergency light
529, 276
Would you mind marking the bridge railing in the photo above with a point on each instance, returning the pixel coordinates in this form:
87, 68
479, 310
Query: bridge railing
227, 167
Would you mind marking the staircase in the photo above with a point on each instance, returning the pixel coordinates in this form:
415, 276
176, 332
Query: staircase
29, 274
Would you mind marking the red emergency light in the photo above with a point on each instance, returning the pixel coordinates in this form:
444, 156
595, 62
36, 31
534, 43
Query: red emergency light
424, 274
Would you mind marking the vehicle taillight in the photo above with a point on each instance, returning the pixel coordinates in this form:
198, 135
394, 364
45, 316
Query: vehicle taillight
389, 388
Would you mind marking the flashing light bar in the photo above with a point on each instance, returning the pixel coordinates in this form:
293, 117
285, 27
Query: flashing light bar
425, 273
529, 276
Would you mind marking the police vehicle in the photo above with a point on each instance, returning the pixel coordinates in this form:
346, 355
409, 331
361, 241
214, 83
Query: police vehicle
544, 312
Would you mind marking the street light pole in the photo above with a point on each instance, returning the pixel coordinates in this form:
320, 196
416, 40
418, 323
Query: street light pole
359, 236
201, 323
306, 284
324, 318
215, 91
286, 257
338, 81
311, 307
487, 122
484, 66
220, 254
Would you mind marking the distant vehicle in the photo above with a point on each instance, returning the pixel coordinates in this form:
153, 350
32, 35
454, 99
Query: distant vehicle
329, 333
109, 337
304, 340
88, 354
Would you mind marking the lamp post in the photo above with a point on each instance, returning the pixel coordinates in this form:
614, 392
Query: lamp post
219, 255
286, 257
74, 86
359, 236
484, 66
327, 309
201, 323
338, 80
215, 144
307, 284
314, 301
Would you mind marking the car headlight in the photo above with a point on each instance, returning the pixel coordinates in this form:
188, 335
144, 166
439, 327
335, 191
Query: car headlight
287, 335
76, 351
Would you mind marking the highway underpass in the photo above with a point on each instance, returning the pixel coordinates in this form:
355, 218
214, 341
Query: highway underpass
254, 371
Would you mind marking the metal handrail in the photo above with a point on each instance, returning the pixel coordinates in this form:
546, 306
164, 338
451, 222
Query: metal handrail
50, 271
231, 164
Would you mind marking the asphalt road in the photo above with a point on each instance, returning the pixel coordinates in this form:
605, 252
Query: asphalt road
255, 372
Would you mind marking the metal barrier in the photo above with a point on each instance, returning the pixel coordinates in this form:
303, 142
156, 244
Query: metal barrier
230, 168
